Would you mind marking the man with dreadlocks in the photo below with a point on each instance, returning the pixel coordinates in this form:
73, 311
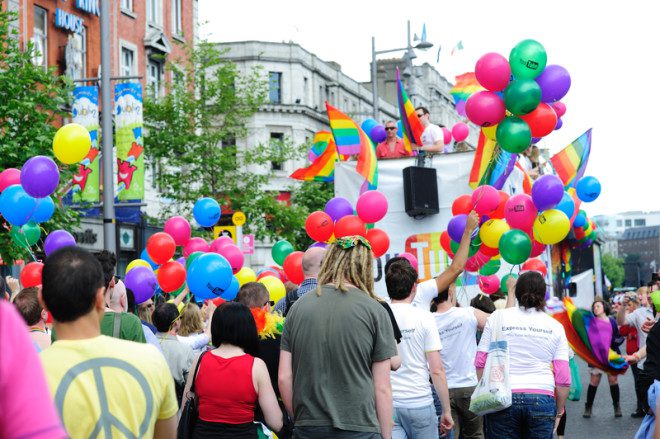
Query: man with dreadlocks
336, 347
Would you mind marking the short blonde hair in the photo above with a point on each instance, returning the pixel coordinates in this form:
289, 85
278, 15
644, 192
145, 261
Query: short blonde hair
191, 320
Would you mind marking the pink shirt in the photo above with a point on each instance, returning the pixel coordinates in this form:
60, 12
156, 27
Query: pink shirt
383, 150
26, 407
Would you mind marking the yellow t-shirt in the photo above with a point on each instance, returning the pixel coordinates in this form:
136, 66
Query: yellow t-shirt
105, 387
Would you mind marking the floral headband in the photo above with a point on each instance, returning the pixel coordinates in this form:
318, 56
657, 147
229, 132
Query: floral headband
351, 241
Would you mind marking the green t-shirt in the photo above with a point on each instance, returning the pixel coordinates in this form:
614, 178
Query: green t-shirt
130, 327
334, 339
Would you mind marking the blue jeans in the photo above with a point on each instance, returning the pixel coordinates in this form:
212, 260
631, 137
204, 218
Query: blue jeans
531, 416
415, 423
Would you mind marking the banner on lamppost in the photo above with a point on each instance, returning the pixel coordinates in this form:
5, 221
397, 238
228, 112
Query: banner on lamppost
85, 112
129, 141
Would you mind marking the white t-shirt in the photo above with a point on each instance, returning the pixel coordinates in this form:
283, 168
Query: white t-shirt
637, 319
432, 134
458, 329
535, 341
410, 384
426, 291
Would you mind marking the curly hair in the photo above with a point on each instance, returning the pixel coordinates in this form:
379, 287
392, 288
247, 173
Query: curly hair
353, 265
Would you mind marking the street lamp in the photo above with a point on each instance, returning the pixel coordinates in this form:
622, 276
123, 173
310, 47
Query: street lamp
409, 56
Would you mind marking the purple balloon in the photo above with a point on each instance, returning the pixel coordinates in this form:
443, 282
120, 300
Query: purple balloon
182, 261
378, 133
319, 244
535, 140
547, 192
554, 82
559, 124
142, 281
456, 227
40, 176
58, 239
338, 207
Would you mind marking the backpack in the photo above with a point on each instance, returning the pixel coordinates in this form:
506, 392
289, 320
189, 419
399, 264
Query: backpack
289, 300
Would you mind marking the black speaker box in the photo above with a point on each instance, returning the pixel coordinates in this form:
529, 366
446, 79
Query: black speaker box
420, 191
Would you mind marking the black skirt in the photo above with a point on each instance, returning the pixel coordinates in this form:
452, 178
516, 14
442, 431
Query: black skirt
219, 430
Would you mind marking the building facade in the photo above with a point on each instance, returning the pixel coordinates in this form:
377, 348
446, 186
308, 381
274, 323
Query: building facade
640, 249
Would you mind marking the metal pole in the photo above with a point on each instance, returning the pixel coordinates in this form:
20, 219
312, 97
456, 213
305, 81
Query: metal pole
109, 239
374, 78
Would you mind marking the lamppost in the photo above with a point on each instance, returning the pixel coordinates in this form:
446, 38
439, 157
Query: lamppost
409, 56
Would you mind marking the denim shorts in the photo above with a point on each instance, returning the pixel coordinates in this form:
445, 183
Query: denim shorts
531, 416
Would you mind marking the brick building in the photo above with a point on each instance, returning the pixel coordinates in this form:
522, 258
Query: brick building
640, 249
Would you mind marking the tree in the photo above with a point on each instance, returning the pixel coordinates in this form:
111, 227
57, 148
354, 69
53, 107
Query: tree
32, 100
613, 269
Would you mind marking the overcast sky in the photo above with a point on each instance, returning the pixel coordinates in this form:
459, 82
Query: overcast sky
610, 52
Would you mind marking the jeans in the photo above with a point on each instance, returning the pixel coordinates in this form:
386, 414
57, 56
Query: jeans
331, 432
467, 424
421, 422
531, 416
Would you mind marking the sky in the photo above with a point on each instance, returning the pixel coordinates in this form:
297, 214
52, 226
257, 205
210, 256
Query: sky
609, 49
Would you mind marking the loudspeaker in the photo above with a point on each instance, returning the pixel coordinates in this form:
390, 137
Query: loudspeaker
420, 191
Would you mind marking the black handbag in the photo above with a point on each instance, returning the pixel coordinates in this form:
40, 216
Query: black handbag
189, 414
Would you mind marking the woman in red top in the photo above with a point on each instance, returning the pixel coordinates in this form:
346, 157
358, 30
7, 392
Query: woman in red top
231, 380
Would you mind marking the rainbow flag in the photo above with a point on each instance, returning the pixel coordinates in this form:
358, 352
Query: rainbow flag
571, 162
411, 125
483, 157
527, 180
323, 166
466, 85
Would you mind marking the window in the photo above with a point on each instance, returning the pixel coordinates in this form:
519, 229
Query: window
127, 67
276, 140
177, 27
619, 223
275, 87
127, 5
40, 39
229, 145
154, 78
640, 222
75, 55
155, 12
628, 223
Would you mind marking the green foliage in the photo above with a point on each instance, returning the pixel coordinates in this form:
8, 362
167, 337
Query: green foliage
31, 101
613, 269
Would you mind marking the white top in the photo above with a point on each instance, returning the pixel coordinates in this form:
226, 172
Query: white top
410, 384
432, 134
426, 291
196, 341
458, 333
535, 341
637, 319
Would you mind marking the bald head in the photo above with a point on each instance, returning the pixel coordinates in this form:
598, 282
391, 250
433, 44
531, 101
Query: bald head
117, 300
312, 260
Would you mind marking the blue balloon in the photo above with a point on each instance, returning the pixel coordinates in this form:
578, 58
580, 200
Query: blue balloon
588, 188
580, 220
145, 257
209, 276
206, 212
16, 206
232, 291
44, 211
566, 205
399, 128
368, 124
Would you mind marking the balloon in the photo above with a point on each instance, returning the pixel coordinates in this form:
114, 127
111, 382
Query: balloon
56, 240
446, 135
281, 250
378, 133
268, 272
485, 200
179, 229
171, 276
195, 245
522, 96
44, 210
16, 206
489, 251
145, 257
506, 277
137, 263
460, 131
554, 82
379, 241
535, 265
493, 71
319, 226
245, 275
541, 121
275, 287
26, 235
560, 108
492, 230
350, 225
338, 207
551, 226
209, 276
527, 59
547, 192
411, 258
462, 205
474, 247
588, 189
560, 123
399, 129
515, 246
490, 132
9, 177
31, 274
471, 265
445, 243
234, 256
567, 205
368, 125
456, 227
293, 267
142, 281
161, 247
40, 176
580, 219
206, 212
485, 108
514, 135
491, 267
231, 292
537, 248
489, 284
71, 143
520, 212
371, 206
219, 242
499, 212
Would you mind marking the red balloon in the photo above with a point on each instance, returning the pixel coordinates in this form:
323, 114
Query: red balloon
161, 247
471, 265
499, 212
537, 247
379, 241
489, 251
319, 226
293, 267
462, 204
535, 265
31, 274
542, 120
171, 276
445, 243
348, 226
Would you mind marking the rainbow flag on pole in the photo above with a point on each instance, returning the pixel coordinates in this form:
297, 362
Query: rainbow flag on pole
322, 167
466, 85
571, 162
411, 125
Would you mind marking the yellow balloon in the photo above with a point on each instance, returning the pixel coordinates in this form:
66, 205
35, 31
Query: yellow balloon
551, 226
492, 230
71, 143
275, 287
490, 132
245, 275
137, 263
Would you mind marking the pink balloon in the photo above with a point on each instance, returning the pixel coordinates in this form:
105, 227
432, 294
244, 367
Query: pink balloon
560, 108
446, 135
520, 212
537, 248
485, 108
219, 242
178, 228
411, 258
485, 199
234, 256
493, 71
371, 206
195, 245
460, 131
8, 177
489, 284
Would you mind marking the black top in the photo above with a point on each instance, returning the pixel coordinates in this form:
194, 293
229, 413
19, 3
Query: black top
395, 326
652, 363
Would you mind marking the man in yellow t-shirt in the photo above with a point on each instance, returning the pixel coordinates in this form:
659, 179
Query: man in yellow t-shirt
103, 387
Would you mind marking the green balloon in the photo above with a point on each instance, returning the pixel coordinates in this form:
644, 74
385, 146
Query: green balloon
513, 135
471, 251
522, 96
503, 287
27, 235
281, 250
491, 267
527, 59
191, 258
515, 246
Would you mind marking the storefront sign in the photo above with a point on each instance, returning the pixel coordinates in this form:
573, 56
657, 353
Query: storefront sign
89, 236
90, 6
68, 21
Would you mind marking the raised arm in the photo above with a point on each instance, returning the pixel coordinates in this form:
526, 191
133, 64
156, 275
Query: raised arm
457, 265
511, 295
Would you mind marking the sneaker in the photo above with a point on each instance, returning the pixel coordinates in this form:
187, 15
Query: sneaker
617, 411
638, 414
587, 411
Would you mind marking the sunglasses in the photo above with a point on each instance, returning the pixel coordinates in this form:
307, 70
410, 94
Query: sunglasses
270, 302
390, 128
420, 115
